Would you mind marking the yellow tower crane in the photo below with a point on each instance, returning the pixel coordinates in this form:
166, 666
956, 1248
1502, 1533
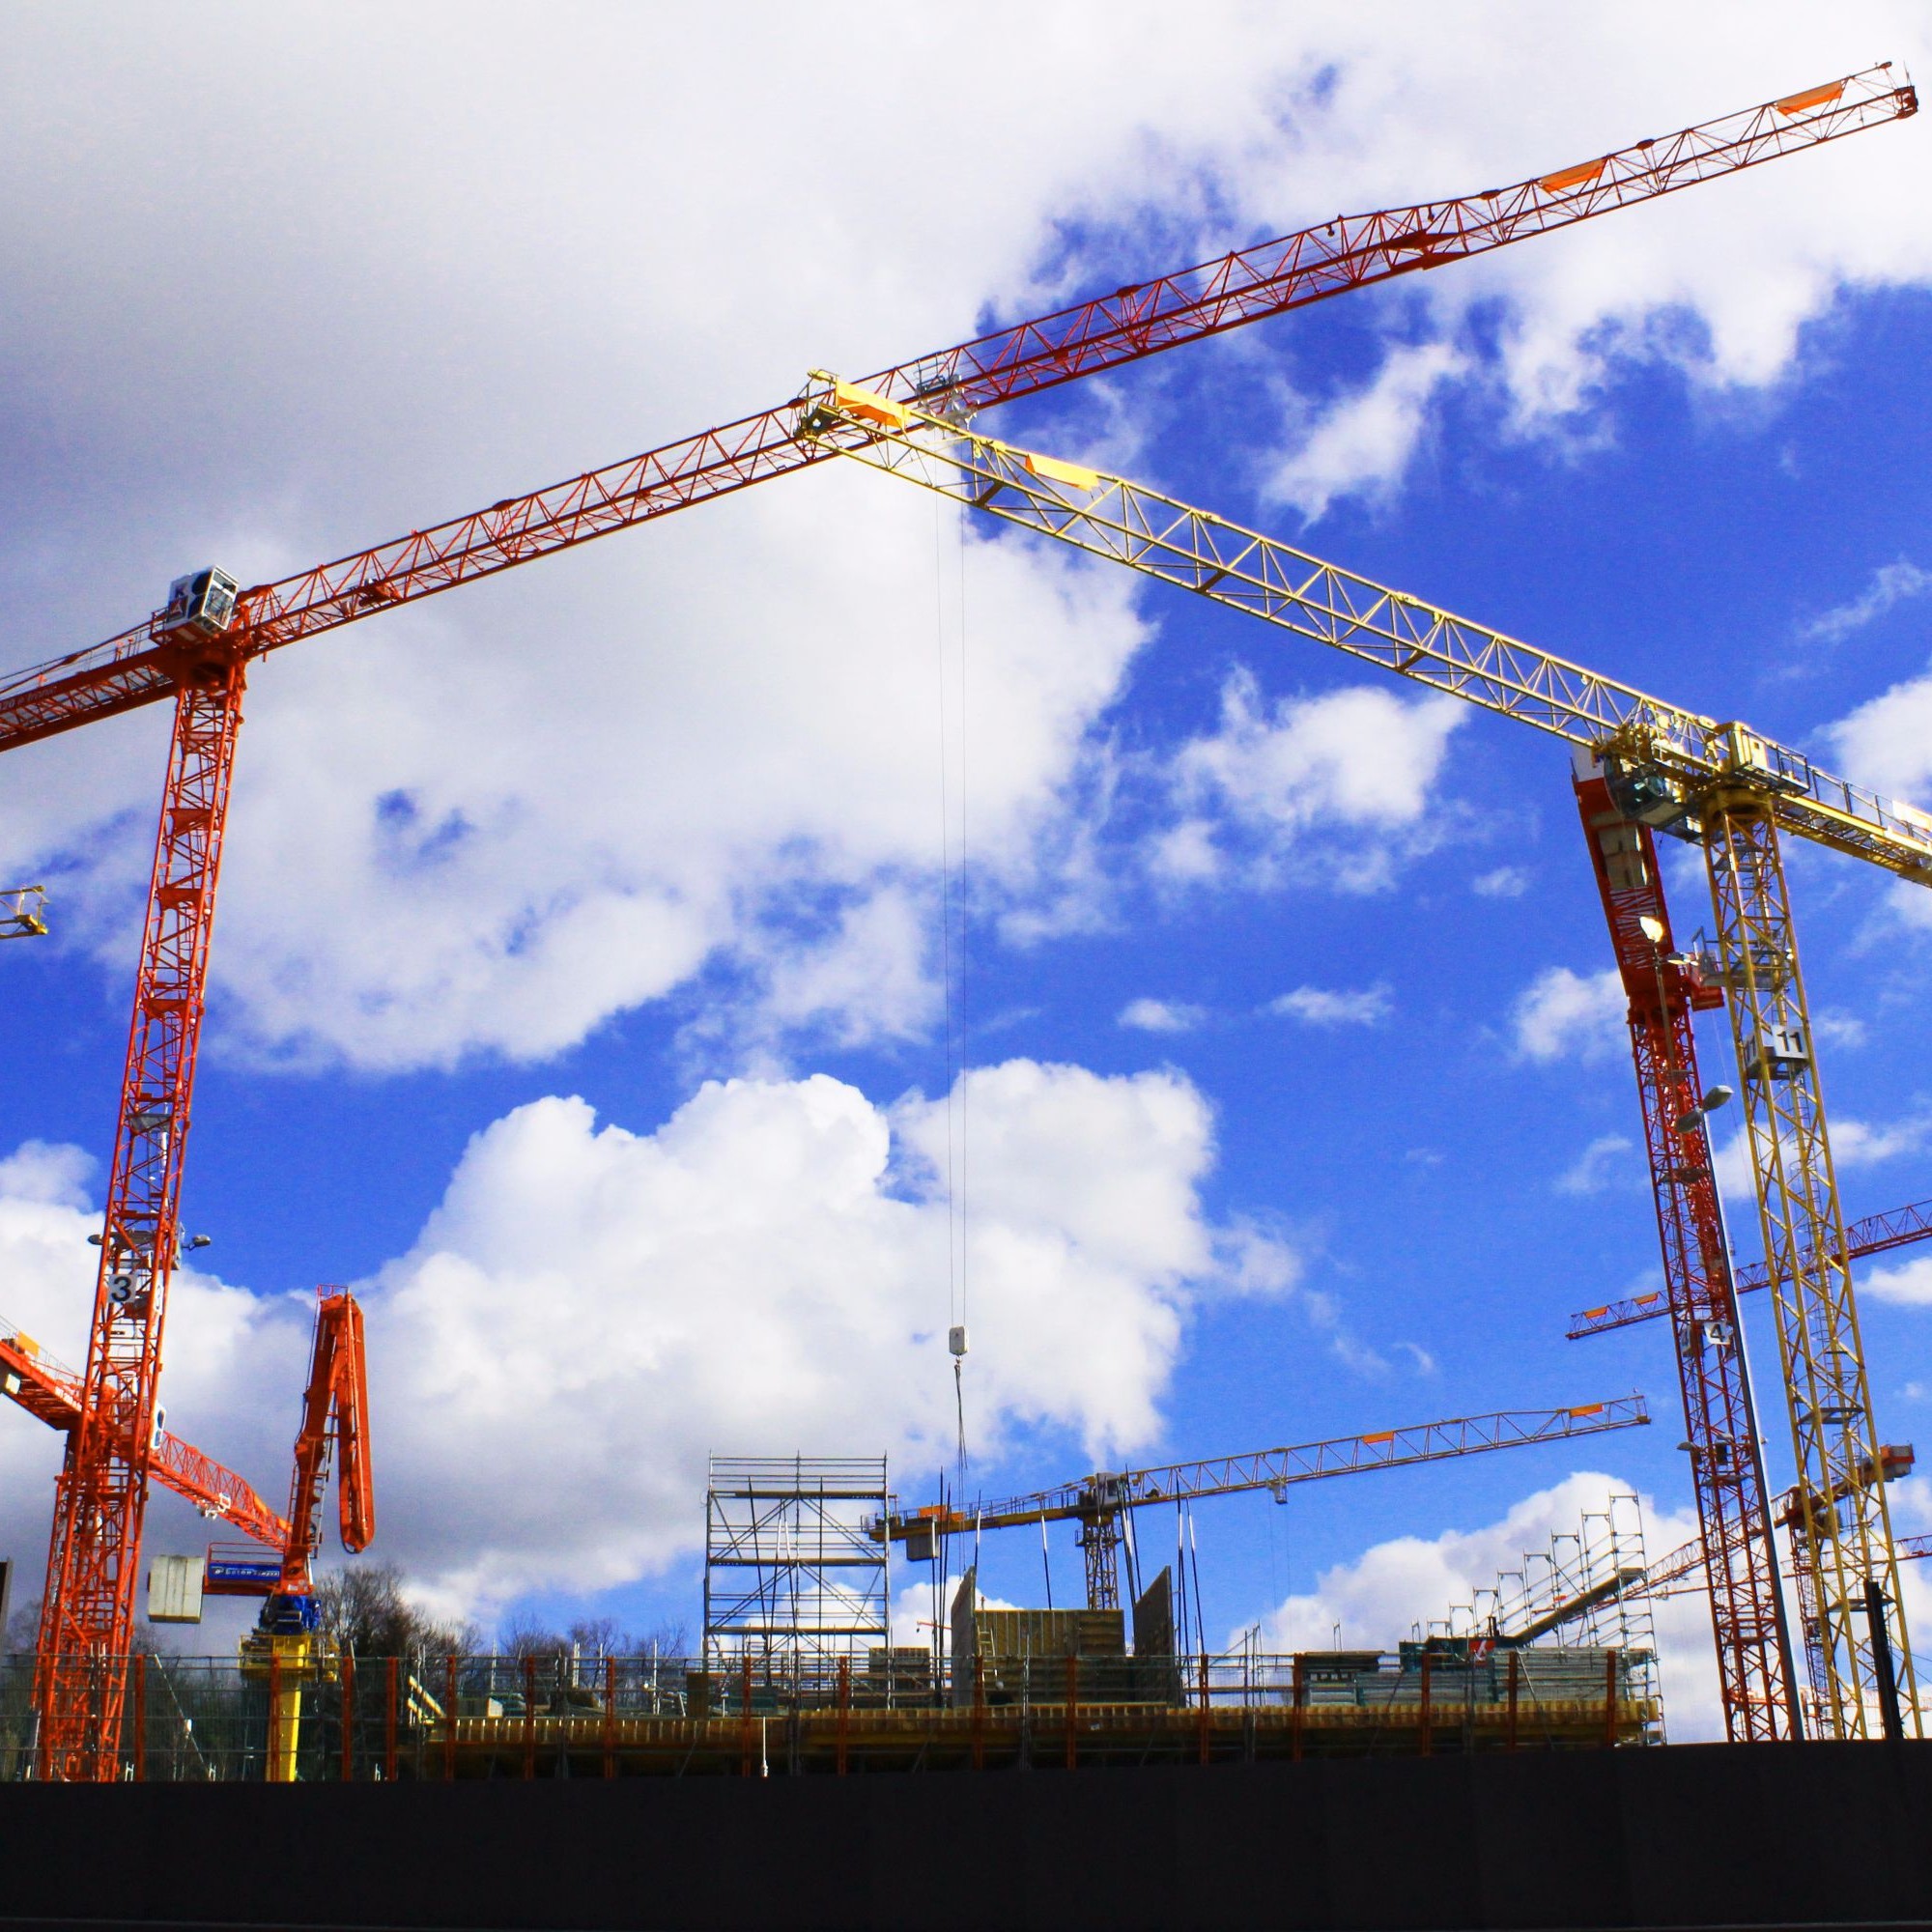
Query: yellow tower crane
1727, 788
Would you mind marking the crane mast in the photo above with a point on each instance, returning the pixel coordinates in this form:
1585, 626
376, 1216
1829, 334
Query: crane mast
1665, 992
195, 653
87, 1613
1725, 787
1843, 1522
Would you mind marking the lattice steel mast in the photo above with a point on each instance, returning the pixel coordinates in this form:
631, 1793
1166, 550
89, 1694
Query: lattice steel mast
1755, 1674
87, 1615
1843, 1521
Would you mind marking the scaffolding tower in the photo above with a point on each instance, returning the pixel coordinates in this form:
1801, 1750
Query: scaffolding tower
1586, 1588
794, 1579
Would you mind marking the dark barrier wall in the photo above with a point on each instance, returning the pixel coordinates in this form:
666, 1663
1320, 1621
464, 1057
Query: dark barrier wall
1686, 1835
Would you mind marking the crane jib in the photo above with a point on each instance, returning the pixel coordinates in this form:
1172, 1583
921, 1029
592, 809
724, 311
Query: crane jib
138, 668
1110, 1492
1662, 758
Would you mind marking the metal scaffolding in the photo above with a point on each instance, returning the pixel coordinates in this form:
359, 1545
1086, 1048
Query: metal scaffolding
793, 1575
1586, 1588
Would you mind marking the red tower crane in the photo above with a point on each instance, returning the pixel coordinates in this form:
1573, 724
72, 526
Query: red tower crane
1664, 991
196, 651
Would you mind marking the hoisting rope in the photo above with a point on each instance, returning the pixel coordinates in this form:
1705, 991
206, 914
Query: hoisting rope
953, 965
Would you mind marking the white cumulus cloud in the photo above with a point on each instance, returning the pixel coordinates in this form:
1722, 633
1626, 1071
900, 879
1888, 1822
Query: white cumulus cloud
1333, 1007
1597, 1167
590, 1312
1908, 1283
1149, 1015
1891, 586
1362, 443
1410, 1580
1566, 1015
1360, 764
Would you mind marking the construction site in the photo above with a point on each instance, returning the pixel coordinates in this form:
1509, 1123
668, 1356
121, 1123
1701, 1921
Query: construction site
1540, 1701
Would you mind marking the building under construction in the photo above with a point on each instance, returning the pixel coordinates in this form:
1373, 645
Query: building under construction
771, 1777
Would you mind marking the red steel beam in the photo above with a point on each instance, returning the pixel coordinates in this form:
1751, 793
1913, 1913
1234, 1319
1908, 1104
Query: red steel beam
1754, 1666
1875, 1235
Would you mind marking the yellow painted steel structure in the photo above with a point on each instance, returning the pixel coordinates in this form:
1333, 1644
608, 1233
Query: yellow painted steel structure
23, 912
1730, 789
1843, 1523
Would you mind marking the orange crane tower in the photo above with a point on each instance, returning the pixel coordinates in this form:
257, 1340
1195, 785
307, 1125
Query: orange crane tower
1728, 787
195, 653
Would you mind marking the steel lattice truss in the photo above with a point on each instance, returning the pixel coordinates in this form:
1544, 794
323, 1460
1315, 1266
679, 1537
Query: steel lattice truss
87, 1617
1755, 1674
1875, 1235
1277, 1469
1262, 577
51, 1390
1353, 251
1682, 1571
1843, 1522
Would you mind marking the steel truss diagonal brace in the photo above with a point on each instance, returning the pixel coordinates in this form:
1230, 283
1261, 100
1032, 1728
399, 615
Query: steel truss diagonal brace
1842, 1520
87, 1615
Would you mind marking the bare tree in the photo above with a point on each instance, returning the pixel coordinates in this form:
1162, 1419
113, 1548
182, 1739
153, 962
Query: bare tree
364, 1607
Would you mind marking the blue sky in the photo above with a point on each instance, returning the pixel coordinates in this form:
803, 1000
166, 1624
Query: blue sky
514, 876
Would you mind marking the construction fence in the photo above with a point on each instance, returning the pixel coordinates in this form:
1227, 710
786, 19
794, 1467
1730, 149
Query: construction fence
443, 1718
